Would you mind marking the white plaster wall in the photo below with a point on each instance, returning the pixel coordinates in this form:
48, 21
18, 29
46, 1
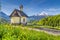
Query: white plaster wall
22, 20
15, 19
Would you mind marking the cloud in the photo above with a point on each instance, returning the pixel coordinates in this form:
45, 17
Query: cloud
8, 8
36, 2
52, 9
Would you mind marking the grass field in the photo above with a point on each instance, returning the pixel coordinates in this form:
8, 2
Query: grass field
13, 32
38, 26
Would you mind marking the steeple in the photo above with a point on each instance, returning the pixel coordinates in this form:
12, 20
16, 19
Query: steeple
21, 7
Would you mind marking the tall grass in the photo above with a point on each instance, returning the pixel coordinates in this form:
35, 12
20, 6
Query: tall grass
11, 32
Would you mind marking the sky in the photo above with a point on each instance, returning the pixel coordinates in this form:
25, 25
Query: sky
31, 7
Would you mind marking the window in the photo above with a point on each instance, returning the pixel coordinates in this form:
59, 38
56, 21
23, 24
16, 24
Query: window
23, 19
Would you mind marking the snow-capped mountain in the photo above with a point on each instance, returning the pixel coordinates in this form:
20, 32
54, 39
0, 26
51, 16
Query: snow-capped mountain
38, 16
43, 13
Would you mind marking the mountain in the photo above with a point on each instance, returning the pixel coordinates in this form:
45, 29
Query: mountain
3, 16
37, 16
2, 21
43, 13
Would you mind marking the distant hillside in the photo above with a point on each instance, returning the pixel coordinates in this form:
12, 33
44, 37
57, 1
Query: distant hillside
3, 21
4, 18
3, 15
39, 16
50, 21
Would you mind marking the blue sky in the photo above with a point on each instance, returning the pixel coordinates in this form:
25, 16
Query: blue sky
32, 7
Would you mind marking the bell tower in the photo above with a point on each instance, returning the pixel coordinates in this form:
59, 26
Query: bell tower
21, 7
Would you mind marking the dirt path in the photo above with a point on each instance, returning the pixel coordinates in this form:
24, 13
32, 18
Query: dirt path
50, 31
47, 30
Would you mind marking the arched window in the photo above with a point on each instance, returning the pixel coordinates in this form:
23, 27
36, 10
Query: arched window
23, 19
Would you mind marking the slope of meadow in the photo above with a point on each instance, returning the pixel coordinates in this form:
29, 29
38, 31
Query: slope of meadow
50, 21
11, 32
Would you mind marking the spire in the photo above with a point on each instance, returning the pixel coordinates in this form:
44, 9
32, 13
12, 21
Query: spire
21, 7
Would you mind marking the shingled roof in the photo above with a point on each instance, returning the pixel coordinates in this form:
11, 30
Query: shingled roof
18, 13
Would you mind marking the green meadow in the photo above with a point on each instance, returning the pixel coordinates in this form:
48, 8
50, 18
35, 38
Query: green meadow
14, 32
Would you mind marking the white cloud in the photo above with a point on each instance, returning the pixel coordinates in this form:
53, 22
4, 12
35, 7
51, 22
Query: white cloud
52, 9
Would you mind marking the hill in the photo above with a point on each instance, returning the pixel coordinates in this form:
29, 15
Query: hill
2, 21
50, 21
3, 15
4, 18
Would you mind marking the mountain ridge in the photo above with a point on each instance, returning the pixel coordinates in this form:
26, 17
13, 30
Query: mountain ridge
4, 17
